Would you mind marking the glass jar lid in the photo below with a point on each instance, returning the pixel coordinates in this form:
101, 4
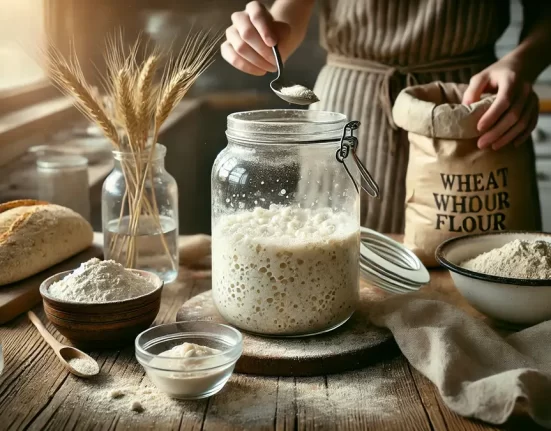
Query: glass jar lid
61, 162
280, 126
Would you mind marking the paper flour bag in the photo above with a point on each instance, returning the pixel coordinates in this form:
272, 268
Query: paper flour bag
452, 187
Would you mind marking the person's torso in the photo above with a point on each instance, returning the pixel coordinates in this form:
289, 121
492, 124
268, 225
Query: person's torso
409, 32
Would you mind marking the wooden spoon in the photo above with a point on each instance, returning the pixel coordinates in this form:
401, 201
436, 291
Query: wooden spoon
66, 354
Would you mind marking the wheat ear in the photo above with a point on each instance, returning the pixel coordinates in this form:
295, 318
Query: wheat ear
124, 103
146, 95
69, 79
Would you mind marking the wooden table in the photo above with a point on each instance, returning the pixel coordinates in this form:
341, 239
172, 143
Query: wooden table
37, 393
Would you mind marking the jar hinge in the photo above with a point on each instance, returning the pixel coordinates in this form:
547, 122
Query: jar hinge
349, 143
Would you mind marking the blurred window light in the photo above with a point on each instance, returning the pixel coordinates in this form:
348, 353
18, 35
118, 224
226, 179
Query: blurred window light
21, 32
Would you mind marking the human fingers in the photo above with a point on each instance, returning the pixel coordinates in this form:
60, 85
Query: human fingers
522, 128
263, 22
248, 32
511, 108
476, 87
229, 54
507, 92
246, 52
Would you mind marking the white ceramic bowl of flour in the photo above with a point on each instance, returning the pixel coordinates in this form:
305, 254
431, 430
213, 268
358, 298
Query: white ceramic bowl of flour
189, 360
513, 300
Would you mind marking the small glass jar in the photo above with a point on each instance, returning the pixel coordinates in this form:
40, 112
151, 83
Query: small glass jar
285, 224
141, 235
63, 180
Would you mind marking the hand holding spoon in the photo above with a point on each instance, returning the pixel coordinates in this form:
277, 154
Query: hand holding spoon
292, 93
76, 361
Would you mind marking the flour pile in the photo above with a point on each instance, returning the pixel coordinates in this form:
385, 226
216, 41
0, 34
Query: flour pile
516, 259
189, 350
98, 281
300, 92
84, 366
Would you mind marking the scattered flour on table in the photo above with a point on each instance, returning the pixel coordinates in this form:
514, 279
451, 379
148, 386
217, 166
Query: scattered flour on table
116, 393
249, 401
120, 395
136, 406
252, 402
516, 259
84, 366
97, 281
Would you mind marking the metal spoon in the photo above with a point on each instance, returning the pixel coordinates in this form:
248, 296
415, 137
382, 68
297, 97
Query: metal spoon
63, 352
280, 82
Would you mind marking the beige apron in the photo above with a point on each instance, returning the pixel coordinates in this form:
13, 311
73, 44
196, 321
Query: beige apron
378, 47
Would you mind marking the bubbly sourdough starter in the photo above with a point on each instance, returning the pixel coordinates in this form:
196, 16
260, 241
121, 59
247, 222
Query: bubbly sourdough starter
286, 271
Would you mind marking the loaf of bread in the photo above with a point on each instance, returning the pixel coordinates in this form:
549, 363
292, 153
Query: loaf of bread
36, 235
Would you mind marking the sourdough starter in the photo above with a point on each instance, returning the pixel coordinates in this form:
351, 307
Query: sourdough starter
286, 270
189, 371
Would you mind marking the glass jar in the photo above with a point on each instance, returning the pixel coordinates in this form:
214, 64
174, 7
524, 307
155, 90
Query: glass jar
63, 180
285, 224
140, 223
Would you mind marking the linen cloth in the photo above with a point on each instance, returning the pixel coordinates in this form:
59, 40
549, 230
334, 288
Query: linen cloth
478, 373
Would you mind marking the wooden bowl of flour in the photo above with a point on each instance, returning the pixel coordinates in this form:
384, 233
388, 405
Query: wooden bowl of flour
520, 301
103, 324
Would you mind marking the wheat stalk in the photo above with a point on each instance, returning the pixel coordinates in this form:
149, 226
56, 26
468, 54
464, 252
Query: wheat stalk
195, 56
69, 79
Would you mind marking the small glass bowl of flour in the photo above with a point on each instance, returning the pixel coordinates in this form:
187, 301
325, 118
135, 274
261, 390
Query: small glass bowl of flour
189, 360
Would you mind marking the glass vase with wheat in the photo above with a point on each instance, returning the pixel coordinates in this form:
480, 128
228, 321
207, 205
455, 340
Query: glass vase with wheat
139, 200
150, 241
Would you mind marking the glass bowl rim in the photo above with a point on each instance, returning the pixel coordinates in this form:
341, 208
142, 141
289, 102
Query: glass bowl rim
234, 351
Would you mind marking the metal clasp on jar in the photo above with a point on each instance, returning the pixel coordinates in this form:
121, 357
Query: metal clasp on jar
349, 144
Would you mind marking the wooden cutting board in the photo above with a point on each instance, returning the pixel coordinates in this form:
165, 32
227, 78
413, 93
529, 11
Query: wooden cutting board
17, 298
354, 345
